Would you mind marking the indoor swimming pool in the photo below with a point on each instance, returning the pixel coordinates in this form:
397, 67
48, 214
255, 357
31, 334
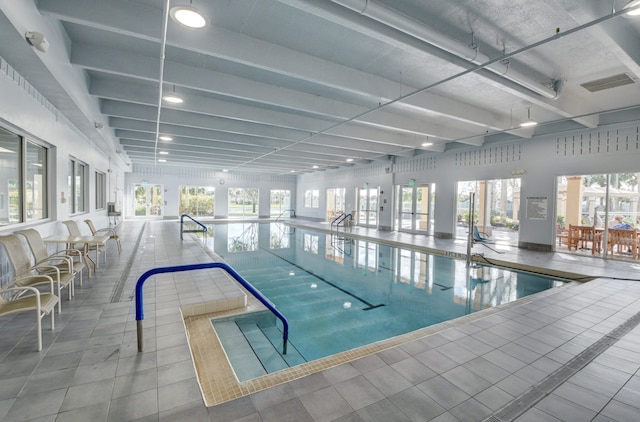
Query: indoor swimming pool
339, 293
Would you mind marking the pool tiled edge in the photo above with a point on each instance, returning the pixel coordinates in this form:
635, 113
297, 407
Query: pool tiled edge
217, 379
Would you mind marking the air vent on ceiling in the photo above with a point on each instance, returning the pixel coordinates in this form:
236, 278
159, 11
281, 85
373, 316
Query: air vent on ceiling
609, 82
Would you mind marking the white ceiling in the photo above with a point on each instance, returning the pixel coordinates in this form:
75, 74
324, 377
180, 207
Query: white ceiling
281, 86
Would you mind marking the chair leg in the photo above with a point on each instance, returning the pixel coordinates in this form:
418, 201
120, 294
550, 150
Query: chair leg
39, 317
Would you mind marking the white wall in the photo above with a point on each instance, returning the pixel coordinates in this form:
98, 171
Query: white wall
614, 148
25, 112
609, 149
173, 177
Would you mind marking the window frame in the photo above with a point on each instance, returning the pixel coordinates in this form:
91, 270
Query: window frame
24, 182
312, 198
77, 194
101, 190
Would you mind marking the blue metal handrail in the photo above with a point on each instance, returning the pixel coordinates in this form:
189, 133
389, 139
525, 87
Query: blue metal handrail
222, 265
292, 213
204, 228
338, 217
344, 217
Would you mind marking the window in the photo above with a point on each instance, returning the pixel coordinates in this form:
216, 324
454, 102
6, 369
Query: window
602, 202
243, 202
197, 201
496, 208
77, 184
23, 192
101, 190
280, 201
312, 198
36, 182
335, 202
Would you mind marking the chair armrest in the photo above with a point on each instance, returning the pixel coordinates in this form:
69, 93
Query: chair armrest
57, 257
73, 252
106, 230
48, 269
27, 277
14, 288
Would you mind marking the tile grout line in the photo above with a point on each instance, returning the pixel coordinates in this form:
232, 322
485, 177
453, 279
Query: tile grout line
119, 287
542, 389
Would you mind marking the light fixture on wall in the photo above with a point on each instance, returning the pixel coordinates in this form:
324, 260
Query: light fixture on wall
37, 40
635, 12
173, 98
529, 122
188, 16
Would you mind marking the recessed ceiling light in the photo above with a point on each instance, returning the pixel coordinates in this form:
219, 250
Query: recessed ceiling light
188, 16
225, 170
162, 160
165, 138
349, 160
37, 164
636, 11
427, 144
529, 122
173, 99
6, 150
164, 153
292, 171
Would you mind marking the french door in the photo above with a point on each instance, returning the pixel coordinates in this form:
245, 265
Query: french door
414, 204
147, 201
368, 207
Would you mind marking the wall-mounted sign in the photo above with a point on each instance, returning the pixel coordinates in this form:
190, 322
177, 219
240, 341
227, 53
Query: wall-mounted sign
537, 207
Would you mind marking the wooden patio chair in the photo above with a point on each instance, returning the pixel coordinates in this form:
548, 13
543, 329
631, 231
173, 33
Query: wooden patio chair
16, 299
584, 237
623, 241
27, 275
108, 231
41, 254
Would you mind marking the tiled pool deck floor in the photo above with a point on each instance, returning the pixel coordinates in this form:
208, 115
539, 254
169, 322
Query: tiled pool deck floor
470, 369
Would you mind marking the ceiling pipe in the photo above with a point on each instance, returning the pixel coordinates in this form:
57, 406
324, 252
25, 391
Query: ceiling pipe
163, 47
392, 18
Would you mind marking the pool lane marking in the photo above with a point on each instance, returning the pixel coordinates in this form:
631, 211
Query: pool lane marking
369, 306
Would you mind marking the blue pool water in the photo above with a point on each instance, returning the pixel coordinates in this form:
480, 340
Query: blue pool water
340, 293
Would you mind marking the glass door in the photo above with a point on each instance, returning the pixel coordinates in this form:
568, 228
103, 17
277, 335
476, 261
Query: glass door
335, 203
368, 207
496, 208
147, 201
414, 206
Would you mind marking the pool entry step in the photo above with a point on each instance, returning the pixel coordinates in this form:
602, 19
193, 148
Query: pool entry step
253, 344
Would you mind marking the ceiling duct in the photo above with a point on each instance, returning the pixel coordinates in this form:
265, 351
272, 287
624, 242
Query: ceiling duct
390, 17
608, 82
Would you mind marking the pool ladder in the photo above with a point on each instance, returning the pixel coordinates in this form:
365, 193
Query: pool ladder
342, 219
221, 265
202, 228
292, 214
